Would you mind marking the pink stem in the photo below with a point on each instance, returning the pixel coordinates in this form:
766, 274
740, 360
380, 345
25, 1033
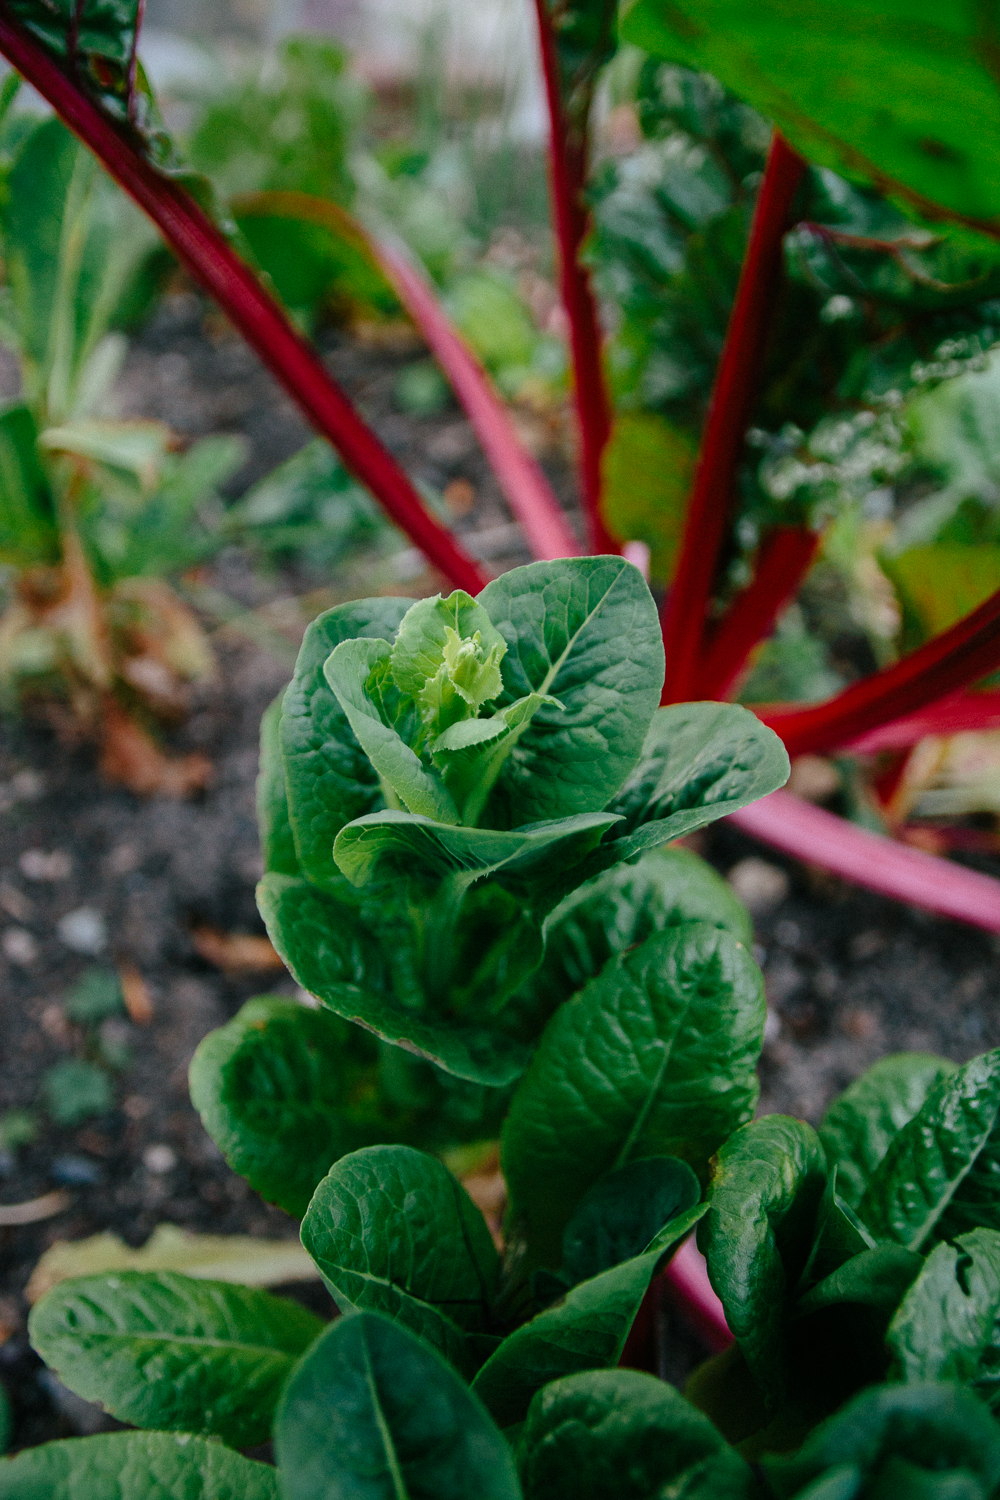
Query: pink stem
955, 659
960, 713
785, 557
206, 254
568, 170
733, 396
528, 492
687, 1273
867, 859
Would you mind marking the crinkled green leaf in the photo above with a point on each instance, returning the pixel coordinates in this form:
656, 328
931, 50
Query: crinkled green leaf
353, 968
655, 1057
392, 1231
373, 1413
618, 1217
330, 779
585, 1331
940, 1173
471, 753
347, 671
948, 1325
527, 861
623, 1435
915, 1442
284, 1091
135, 1466
159, 1349
839, 1235
700, 761
620, 909
584, 631
861, 1122
898, 95
420, 652
876, 1278
767, 1185
276, 839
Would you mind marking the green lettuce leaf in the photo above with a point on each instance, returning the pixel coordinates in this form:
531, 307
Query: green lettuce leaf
948, 1324
135, 1466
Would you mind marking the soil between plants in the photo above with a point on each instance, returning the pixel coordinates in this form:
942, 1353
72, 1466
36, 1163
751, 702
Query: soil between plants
849, 976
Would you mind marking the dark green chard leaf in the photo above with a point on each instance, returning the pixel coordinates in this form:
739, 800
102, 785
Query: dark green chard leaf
372, 1413
860, 1124
359, 969
839, 1235
392, 1231
700, 761
876, 1278
901, 98
655, 1057
277, 841
284, 1091
158, 1349
948, 1325
918, 1442
135, 1466
28, 535
623, 1212
767, 1185
586, 1331
623, 907
940, 1173
622, 1435
584, 631
330, 779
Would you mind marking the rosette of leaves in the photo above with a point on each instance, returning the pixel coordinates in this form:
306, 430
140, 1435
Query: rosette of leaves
445, 772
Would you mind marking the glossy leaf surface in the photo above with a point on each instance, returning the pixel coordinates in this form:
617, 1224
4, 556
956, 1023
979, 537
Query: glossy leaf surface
618, 1217
655, 1057
860, 1124
392, 1231
159, 1349
135, 1466
623, 1435
948, 1325
372, 1413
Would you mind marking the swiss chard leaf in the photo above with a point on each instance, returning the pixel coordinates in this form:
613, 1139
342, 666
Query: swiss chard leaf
284, 1091
585, 1331
330, 779
948, 1324
939, 1175
922, 1442
622, 908
655, 1057
585, 632
618, 1217
859, 1126
392, 1231
159, 1349
276, 838
623, 1435
372, 1413
862, 89
357, 970
768, 1182
700, 762
135, 1466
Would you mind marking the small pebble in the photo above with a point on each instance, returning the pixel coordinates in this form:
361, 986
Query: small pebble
19, 946
75, 1171
35, 864
159, 1159
760, 886
83, 930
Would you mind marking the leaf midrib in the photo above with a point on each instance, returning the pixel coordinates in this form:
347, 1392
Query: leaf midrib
554, 669
201, 1340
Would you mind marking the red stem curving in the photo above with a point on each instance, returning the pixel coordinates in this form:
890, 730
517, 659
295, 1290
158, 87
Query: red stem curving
733, 396
525, 486
207, 255
867, 859
959, 713
953, 660
568, 173
784, 559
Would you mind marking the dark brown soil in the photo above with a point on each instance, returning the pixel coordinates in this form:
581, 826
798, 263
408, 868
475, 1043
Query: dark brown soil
849, 976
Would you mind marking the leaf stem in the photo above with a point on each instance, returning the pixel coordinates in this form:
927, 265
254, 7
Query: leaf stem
568, 160
733, 395
203, 250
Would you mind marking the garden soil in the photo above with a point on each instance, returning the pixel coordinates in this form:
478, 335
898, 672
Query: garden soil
92, 877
